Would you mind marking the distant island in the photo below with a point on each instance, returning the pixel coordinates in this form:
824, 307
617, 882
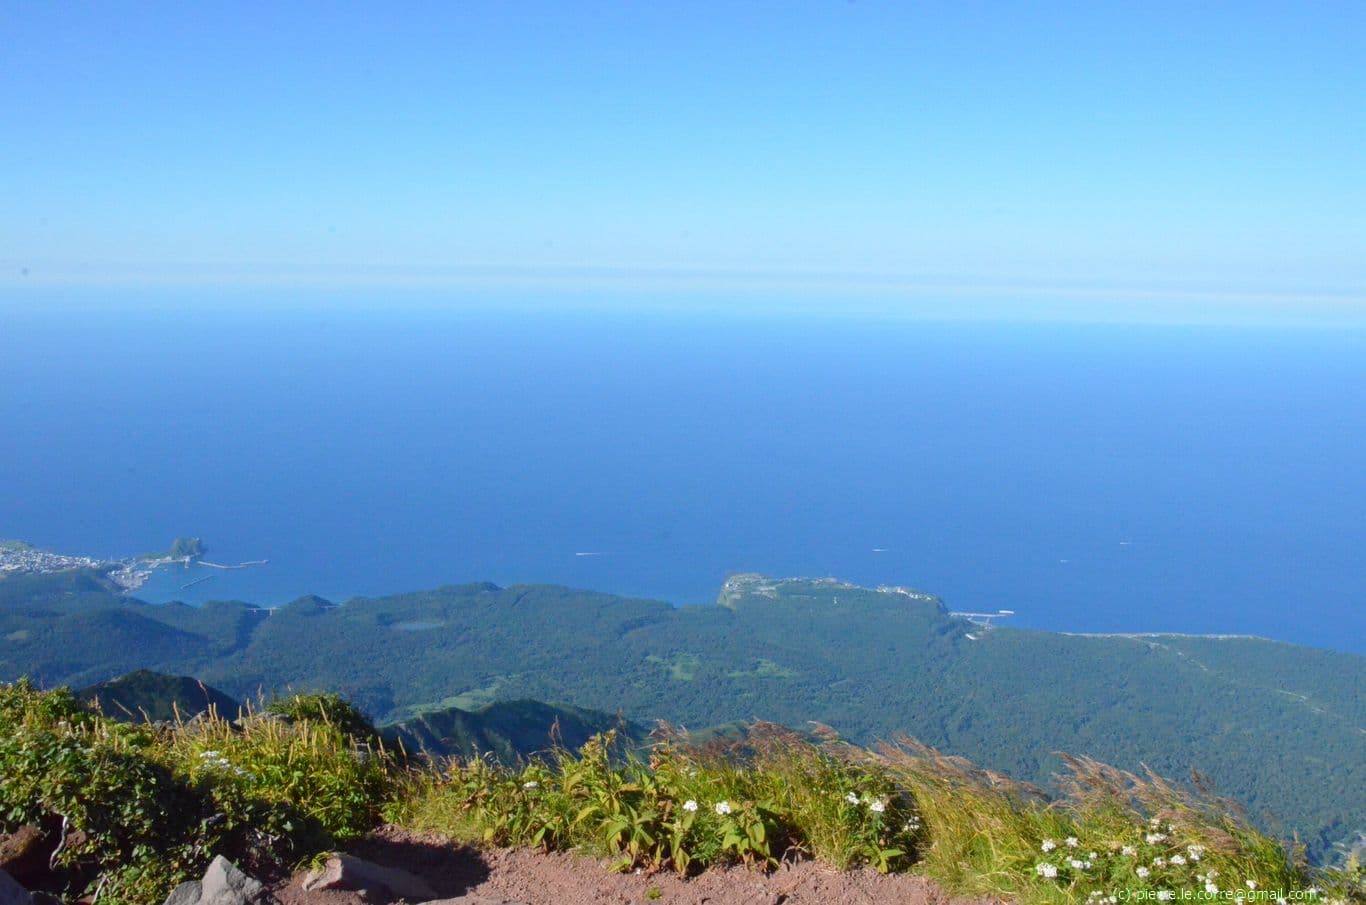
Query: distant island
181, 548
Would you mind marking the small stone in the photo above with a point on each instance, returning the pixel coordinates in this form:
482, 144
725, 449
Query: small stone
349, 872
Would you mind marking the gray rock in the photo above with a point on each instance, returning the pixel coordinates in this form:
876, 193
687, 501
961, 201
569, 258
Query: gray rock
350, 872
185, 894
223, 884
11, 893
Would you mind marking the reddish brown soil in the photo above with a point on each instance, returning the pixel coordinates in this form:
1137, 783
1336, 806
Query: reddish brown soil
511, 875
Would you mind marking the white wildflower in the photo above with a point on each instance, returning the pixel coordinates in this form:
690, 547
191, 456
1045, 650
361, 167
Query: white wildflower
851, 798
690, 805
1212, 874
723, 807
1251, 884
1178, 860
1074, 863
1159, 862
1128, 851
531, 785
209, 754
1164, 895
1212, 888
1195, 851
1142, 872
1072, 842
1048, 845
878, 807
1046, 870
1154, 838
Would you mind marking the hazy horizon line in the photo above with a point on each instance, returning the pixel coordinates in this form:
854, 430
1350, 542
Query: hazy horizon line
769, 290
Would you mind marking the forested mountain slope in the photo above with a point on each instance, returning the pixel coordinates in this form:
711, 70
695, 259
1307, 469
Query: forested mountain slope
1277, 726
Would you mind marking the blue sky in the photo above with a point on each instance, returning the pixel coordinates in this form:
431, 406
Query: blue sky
1160, 150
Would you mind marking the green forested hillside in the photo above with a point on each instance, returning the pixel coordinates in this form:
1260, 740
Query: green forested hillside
1278, 726
145, 695
507, 729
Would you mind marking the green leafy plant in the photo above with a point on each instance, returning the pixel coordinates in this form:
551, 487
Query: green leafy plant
140, 808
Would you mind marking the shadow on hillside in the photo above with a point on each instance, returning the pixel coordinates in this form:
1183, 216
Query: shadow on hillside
452, 869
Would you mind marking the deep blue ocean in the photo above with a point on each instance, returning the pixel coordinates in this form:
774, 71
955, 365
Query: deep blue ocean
1090, 477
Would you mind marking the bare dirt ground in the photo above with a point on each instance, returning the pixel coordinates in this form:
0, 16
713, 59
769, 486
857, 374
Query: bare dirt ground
494, 875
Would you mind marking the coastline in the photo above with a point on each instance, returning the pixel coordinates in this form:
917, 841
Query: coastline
20, 557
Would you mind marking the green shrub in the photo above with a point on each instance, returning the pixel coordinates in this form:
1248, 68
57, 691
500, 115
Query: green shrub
683, 809
143, 808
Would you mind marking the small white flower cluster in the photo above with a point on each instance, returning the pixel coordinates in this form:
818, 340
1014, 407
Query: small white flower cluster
723, 808
531, 785
1046, 870
1099, 898
1195, 851
1078, 864
912, 823
217, 760
1048, 845
1154, 838
876, 805
690, 806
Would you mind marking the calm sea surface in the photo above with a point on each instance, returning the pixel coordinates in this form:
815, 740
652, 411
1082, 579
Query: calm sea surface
1092, 478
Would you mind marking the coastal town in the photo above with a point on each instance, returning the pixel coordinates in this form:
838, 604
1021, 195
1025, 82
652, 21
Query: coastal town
17, 557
